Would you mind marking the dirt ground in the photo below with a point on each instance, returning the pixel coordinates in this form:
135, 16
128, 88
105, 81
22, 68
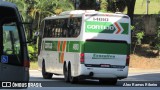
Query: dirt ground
143, 62
144, 57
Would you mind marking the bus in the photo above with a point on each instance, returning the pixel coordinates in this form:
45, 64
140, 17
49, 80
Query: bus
85, 44
14, 59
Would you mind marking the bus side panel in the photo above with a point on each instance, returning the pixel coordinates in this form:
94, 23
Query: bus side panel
73, 58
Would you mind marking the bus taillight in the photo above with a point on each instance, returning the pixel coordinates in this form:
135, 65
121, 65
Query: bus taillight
82, 58
127, 60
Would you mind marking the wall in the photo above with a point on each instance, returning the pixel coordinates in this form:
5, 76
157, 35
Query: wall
146, 23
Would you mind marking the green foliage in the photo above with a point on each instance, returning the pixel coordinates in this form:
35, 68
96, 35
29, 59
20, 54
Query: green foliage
103, 5
32, 52
36, 10
156, 42
22, 6
157, 46
132, 28
139, 37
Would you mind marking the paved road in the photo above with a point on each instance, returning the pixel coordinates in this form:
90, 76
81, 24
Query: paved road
57, 82
36, 75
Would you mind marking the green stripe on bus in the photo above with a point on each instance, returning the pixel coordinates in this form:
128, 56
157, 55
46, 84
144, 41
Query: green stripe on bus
55, 45
73, 46
61, 45
125, 26
107, 48
93, 47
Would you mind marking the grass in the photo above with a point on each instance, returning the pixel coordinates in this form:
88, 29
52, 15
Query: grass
140, 7
34, 65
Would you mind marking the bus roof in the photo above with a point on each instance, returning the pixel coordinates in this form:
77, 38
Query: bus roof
79, 13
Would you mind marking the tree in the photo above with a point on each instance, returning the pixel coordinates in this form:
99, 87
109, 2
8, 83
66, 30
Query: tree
120, 5
38, 9
44, 8
22, 6
116, 5
130, 8
103, 5
87, 4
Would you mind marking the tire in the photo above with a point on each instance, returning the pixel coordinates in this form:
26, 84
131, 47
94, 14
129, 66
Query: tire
65, 73
71, 79
108, 81
45, 74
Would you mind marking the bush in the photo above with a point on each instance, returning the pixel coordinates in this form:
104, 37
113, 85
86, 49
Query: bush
139, 36
32, 50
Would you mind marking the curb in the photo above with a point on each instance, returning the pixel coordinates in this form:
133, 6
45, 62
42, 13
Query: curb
140, 70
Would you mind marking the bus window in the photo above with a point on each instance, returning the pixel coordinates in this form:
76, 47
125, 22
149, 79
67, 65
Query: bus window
74, 27
62, 27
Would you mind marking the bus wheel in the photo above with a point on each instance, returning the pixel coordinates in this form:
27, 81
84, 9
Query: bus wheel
65, 73
44, 73
108, 81
71, 79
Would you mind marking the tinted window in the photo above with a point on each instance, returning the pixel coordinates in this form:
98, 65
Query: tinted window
11, 45
62, 27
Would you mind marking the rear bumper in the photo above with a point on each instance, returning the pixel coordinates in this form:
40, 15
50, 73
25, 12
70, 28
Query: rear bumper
96, 72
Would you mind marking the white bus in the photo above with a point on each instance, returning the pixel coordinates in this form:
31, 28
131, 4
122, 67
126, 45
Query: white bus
85, 44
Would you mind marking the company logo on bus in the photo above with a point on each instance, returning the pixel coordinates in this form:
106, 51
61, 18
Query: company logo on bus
100, 27
106, 27
103, 56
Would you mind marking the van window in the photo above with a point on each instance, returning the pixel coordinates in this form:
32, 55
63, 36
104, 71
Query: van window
11, 42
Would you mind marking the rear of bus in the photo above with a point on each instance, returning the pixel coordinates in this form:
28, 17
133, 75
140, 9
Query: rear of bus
106, 47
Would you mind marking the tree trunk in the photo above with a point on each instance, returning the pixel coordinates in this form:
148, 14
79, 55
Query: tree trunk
130, 8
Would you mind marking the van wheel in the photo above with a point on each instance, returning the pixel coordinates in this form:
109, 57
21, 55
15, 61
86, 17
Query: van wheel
45, 74
71, 79
65, 73
108, 81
